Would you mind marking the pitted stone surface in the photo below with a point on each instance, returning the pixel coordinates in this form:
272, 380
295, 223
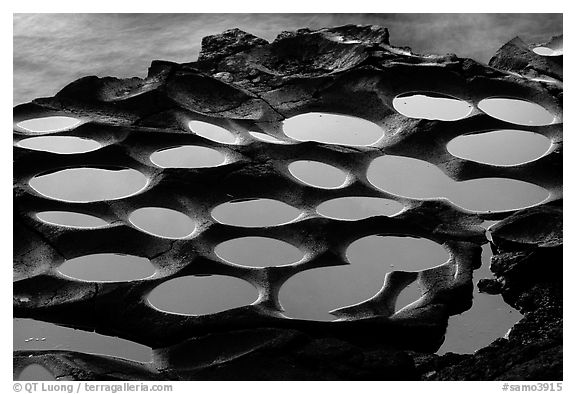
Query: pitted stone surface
244, 84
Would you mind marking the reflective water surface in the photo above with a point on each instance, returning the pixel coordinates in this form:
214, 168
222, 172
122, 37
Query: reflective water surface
332, 129
187, 157
313, 293
255, 213
212, 132
489, 318
500, 147
265, 137
545, 51
317, 174
162, 222
71, 219
516, 111
49, 124
107, 267
201, 295
60, 144
432, 107
497, 194
89, 184
357, 208
258, 252
419, 179
36, 335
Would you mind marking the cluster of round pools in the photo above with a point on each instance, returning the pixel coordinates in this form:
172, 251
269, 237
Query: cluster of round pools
331, 287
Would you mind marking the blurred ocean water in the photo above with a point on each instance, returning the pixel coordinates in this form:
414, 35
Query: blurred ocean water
51, 50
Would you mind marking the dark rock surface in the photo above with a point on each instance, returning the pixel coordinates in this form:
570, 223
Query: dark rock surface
244, 83
527, 263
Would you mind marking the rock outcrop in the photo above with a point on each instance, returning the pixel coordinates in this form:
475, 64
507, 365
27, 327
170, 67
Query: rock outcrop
243, 83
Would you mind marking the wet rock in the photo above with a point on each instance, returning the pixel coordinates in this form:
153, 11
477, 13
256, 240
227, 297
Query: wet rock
527, 263
502, 360
519, 57
541, 227
246, 84
226, 44
293, 355
67, 365
489, 286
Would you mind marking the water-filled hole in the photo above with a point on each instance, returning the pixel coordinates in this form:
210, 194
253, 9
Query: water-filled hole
189, 156
318, 174
212, 132
36, 335
107, 267
35, 372
60, 144
162, 222
89, 184
431, 106
49, 124
408, 295
418, 179
71, 219
258, 252
545, 51
496, 194
265, 137
357, 208
408, 177
332, 129
201, 295
489, 317
313, 293
500, 147
255, 213
516, 111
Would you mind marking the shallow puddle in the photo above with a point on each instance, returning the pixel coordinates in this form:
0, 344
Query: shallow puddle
89, 184
258, 252
259, 212
332, 129
189, 156
545, 51
500, 147
317, 174
60, 144
489, 318
107, 267
49, 124
36, 335
212, 132
313, 293
408, 177
357, 208
201, 295
496, 194
265, 137
408, 295
432, 107
516, 111
71, 219
162, 222
35, 372
419, 179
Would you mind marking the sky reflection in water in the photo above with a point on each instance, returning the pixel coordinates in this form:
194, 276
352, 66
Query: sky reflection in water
310, 294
